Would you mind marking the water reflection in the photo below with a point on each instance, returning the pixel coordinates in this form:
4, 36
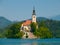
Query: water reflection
29, 42
34, 43
26, 44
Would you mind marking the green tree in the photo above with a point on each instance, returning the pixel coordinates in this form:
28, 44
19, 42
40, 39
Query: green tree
33, 27
19, 34
43, 32
14, 31
9, 33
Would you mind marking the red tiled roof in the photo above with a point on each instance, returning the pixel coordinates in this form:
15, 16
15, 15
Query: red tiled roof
27, 22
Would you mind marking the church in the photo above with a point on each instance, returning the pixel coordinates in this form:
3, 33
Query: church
25, 27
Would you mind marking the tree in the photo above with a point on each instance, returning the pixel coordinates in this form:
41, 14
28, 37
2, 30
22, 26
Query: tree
20, 34
33, 27
9, 33
14, 31
43, 32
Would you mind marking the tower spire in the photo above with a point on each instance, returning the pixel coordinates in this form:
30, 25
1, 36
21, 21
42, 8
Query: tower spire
34, 11
34, 15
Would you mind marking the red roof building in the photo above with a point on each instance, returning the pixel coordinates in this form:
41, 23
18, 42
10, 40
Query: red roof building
27, 22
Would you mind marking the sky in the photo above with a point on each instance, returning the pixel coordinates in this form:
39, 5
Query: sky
18, 10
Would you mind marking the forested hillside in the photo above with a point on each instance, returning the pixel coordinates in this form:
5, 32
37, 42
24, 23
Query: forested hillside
51, 28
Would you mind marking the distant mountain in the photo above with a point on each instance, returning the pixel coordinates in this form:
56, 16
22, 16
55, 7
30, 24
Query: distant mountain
41, 19
56, 17
4, 22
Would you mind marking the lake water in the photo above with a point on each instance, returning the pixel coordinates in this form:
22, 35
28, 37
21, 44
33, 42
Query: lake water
29, 41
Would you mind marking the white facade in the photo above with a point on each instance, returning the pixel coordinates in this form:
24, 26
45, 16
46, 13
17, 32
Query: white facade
34, 18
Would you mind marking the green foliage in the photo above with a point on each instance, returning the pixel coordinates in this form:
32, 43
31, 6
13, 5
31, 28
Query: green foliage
19, 34
14, 31
42, 31
0, 35
46, 29
9, 33
54, 27
45, 32
33, 27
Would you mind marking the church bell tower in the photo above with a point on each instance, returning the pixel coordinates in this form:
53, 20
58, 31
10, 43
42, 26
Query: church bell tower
34, 15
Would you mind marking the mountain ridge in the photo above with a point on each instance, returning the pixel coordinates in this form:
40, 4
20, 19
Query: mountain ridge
4, 22
56, 18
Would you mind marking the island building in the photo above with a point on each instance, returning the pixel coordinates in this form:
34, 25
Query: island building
26, 28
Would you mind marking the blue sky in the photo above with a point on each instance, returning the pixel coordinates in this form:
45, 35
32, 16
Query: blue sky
17, 10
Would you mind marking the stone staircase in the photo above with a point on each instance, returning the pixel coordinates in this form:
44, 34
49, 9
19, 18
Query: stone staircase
31, 35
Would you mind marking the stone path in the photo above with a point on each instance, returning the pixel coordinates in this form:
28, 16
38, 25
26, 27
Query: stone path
31, 36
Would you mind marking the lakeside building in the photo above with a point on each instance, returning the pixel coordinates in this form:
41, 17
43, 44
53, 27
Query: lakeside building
26, 28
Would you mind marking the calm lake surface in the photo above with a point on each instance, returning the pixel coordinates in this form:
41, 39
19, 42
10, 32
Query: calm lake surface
30, 41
